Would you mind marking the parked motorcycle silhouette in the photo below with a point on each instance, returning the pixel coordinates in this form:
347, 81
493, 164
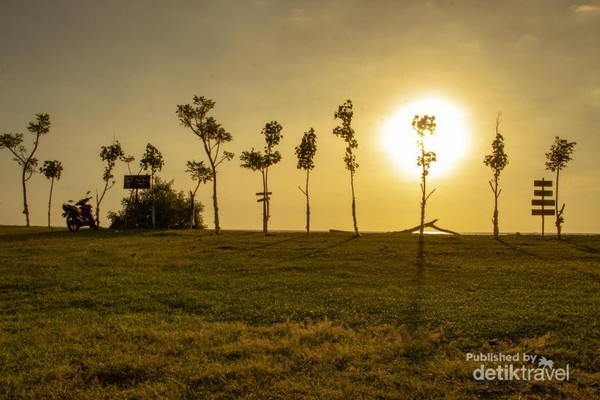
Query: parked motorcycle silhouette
79, 214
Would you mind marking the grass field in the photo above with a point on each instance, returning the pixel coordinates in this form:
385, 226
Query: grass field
169, 314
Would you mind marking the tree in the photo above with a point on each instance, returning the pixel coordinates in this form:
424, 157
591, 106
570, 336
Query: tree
28, 163
51, 170
256, 161
557, 159
110, 155
200, 173
152, 160
212, 135
497, 160
346, 132
172, 209
305, 152
424, 125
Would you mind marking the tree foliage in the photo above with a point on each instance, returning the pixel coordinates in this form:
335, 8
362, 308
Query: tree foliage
52, 169
172, 209
305, 152
213, 137
497, 161
557, 159
152, 160
345, 113
26, 160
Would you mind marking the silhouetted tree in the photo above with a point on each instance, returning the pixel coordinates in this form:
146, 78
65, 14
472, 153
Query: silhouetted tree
110, 155
51, 170
28, 163
306, 152
256, 161
557, 159
201, 174
497, 160
152, 161
212, 135
346, 132
424, 125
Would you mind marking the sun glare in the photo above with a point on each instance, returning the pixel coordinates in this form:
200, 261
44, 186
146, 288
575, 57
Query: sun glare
449, 142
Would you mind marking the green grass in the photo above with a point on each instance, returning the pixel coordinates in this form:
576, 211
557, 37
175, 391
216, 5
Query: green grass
169, 314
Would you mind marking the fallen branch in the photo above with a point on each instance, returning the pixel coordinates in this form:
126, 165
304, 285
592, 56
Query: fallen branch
430, 224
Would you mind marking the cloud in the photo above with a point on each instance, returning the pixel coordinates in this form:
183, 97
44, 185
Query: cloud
587, 11
526, 43
299, 19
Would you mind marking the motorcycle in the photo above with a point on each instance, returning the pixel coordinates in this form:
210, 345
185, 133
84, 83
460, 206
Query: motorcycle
79, 214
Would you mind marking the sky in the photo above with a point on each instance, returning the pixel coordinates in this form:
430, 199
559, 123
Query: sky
118, 69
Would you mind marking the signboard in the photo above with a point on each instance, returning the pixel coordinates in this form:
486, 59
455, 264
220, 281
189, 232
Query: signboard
543, 193
543, 212
136, 182
538, 202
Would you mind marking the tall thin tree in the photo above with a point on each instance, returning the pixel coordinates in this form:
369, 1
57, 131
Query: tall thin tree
424, 126
305, 152
200, 173
152, 161
256, 161
110, 155
557, 159
346, 132
52, 170
26, 160
213, 136
273, 136
497, 160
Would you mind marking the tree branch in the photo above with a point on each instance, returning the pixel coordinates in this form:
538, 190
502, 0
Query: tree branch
430, 193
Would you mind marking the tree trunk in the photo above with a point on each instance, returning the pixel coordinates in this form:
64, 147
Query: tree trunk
557, 207
193, 210
215, 202
25, 207
307, 205
265, 205
353, 204
495, 218
50, 201
423, 198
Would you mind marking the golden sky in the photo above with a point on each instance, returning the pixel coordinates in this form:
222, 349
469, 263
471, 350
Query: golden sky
121, 67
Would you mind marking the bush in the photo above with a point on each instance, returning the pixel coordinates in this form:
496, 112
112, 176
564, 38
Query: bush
172, 209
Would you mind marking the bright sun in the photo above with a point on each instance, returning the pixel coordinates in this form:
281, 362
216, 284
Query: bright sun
449, 142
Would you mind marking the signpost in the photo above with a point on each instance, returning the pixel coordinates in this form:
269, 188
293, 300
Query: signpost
264, 197
543, 202
136, 182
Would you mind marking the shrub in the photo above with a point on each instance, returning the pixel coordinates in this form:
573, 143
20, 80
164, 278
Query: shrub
173, 209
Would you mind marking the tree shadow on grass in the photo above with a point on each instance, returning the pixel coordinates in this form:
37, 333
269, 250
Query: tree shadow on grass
580, 246
516, 248
415, 318
321, 250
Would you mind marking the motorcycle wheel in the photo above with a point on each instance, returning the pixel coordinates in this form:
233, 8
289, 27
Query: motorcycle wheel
72, 224
93, 224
